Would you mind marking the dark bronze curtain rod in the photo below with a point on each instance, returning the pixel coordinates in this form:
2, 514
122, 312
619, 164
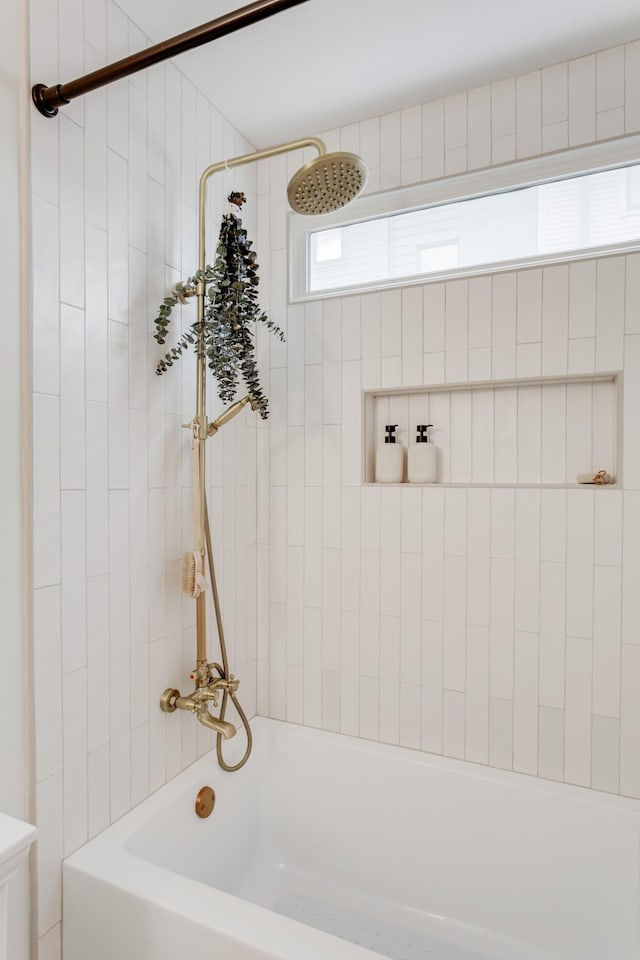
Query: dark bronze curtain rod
48, 99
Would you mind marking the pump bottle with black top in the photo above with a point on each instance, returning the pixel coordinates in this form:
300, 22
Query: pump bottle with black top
390, 458
422, 461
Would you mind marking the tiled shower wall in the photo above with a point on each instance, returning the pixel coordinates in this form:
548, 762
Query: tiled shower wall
496, 624
114, 192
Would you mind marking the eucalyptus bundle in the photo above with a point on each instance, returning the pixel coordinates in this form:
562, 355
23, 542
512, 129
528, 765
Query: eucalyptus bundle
226, 335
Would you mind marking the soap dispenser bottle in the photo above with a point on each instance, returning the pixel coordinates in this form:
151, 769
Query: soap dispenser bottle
422, 464
389, 458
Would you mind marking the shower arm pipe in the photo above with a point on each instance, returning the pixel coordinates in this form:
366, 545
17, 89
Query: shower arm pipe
200, 425
49, 98
237, 162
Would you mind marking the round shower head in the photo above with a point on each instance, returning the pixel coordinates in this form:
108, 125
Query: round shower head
325, 184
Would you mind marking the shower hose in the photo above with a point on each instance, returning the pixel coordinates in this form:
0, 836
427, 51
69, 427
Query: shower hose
223, 670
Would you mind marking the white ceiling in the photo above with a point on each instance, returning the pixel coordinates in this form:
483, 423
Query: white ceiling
326, 63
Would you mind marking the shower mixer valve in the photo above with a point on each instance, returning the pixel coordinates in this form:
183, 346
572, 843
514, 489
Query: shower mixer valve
207, 690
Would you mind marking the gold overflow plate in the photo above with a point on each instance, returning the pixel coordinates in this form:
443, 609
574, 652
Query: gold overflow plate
205, 802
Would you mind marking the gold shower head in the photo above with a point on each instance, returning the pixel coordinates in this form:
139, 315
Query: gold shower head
325, 184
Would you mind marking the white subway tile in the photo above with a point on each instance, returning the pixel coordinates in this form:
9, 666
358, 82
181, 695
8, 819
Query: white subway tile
278, 660
608, 528
579, 430
47, 692
453, 726
582, 298
312, 679
456, 329
369, 614
433, 140
582, 100
504, 326
553, 613
477, 695
390, 531
349, 676
46, 491
479, 127
503, 149
71, 213
313, 426
75, 776
390, 151
313, 547
391, 323
351, 424
98, 661
503, 107
630, 721
610, 313
529, 434
433, 305
580, 536
605, 774
528, 359
632, 298
44, 297
49, 817
555, 137
331, 700
631, 83
390, 670
551, 745
554, 434
371, 344
582, 355
455, 588
480, 312
434, 368
410, 719
73, 578
502, 524
98, 790
501, 734
631, 438
610, 124
502, 629
412, 323
120, 737
455, 522
606, 640
525, 703
555, 319
331, 574
479, 363
433, 554
295, 693
528, 114
553, 526
555, 94
411, 524
529, 306
527, 567
577, 729
610, 79
432, 691
410, 617
461, 436
506, 435
631, 567
482, 436
411, 133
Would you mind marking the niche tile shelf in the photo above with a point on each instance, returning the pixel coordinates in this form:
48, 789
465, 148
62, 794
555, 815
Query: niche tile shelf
534, 432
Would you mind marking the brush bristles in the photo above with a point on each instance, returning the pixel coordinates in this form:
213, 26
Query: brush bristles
189, 574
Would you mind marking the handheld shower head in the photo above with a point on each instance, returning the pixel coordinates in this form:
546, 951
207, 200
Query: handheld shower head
325, 184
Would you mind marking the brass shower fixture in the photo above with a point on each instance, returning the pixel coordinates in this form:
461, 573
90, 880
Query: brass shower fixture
324, 184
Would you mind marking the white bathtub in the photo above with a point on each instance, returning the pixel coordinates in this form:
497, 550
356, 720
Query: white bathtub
328, 847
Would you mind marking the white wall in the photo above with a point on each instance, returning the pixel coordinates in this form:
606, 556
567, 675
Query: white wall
114, 191
14, 482
497, 625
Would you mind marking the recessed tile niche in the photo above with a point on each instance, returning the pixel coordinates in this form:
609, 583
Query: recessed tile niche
534, 432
